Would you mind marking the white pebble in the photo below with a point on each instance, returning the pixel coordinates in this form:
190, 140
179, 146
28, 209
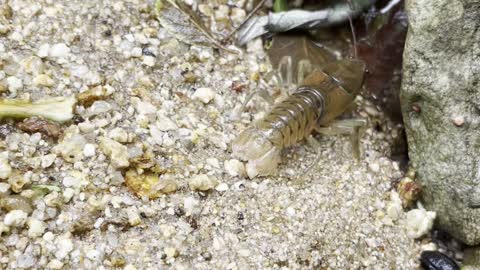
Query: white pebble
190, 205
136, 52
5, 168
86, 127
15, 218
394, 207
165, 124
156, 134
244, 252
89, 150
419, 222
4, 187
222, 13
118, 134
133, 216
35, 228
14, 84
221, 187
204, 94
93, 254
149, 61
64, 247
68, 194
170, 252
374, 167
43, 50
235, 167
47, 160
167, 230
59, 50
213, 162
48, 237
202, 182
70, 181
238, 15
290, 211
129, 267
143, 107
43, 80
55, 264
430, 247
117, 152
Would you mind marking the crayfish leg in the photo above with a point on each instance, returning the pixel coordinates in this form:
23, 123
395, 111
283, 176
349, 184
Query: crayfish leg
352, 127
305, 67
285, 70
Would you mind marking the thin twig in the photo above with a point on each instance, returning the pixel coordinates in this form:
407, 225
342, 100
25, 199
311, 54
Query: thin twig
257, 7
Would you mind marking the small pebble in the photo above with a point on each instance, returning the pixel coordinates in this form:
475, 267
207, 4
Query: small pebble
55, 264
429, 247
202, 182
205, 95
190, 205
149, 61
221, 187
234, 167
238, 15
221, 14
89, 150
458, 120
64, 247
136, 52
374, 167
165, 124
43, 50
213, 162
394, 207
15, 218
419, 222
47, 160
129, 267
117, 152
59, 50
35, 228
5, 168
14, 84
43, 80
119, 135
171, 252
133, 216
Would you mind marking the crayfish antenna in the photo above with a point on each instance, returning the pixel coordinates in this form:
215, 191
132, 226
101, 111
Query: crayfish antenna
354, 38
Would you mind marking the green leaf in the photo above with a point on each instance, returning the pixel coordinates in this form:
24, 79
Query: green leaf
280, 5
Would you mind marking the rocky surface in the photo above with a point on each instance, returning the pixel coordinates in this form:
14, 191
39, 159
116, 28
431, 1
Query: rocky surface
143, 177
441, 105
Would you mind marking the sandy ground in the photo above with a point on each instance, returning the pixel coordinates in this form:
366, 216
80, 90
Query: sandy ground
336, 219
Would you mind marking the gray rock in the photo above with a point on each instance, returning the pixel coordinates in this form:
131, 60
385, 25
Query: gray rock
441, 109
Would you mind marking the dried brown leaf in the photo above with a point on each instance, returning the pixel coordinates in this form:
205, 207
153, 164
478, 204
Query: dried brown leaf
35, 124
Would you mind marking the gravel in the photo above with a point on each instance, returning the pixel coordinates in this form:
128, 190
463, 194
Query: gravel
170, 111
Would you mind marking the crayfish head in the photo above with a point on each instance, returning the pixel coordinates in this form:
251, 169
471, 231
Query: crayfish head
250, 144
261, 155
